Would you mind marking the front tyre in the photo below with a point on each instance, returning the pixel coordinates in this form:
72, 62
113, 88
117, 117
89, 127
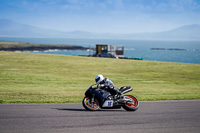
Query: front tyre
89, 105
131, 106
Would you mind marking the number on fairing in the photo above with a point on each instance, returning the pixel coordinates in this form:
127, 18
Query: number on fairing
108, 103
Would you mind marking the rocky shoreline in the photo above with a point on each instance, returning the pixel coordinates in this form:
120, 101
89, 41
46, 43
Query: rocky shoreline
16, 46
43, 48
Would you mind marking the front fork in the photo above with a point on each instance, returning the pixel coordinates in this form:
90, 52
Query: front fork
92, 101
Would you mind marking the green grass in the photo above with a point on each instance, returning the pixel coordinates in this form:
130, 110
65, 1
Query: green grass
41, 78
4, 44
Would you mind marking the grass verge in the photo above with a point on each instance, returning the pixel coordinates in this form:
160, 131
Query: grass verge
40, 78
21, 46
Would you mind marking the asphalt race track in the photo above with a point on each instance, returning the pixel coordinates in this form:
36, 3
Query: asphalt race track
151, 117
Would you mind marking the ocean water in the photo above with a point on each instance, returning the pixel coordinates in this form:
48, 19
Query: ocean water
186, 51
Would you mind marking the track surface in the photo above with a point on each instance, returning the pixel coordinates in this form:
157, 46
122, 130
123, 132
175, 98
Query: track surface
151, 117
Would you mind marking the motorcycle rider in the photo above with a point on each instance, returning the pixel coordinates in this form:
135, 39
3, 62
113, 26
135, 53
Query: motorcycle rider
105, 83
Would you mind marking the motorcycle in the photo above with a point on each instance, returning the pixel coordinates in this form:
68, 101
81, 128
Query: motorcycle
96, 98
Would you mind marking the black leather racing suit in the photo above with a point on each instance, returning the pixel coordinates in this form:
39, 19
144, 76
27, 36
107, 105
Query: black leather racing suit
109, 85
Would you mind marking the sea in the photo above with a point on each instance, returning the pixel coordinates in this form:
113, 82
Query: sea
151, 50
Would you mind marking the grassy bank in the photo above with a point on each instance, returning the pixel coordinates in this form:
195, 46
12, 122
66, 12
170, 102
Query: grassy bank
4, 44
22, 46
40, 78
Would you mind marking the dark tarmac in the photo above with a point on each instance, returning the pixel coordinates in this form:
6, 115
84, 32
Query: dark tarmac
151, 117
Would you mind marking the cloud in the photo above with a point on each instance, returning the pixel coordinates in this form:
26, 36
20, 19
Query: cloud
103, 15
71, 7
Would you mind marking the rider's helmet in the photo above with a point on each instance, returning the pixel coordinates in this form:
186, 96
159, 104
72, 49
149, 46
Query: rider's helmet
99, 78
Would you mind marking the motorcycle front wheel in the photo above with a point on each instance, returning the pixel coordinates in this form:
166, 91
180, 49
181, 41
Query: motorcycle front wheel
131, 106
89, 105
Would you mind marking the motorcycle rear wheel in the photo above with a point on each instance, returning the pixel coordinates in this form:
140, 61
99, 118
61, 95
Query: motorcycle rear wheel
133, 106
91, 106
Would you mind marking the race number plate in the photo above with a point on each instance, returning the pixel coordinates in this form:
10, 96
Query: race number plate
108, 103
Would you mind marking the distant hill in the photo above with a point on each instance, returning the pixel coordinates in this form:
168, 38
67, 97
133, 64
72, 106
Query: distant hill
10, 28
188, 32
13, 29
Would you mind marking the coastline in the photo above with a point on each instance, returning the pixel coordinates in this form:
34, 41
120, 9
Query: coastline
22, 46
133, 48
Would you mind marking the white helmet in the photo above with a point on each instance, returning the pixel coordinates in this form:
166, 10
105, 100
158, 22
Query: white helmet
99, 78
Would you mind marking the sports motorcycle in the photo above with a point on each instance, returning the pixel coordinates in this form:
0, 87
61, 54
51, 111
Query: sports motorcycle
96, 98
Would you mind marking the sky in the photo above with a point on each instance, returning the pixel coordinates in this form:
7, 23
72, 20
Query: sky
103, 16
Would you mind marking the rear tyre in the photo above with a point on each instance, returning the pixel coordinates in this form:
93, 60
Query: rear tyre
131, 106
89, 105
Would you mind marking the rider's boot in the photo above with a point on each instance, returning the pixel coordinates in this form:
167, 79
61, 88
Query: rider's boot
120, 95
